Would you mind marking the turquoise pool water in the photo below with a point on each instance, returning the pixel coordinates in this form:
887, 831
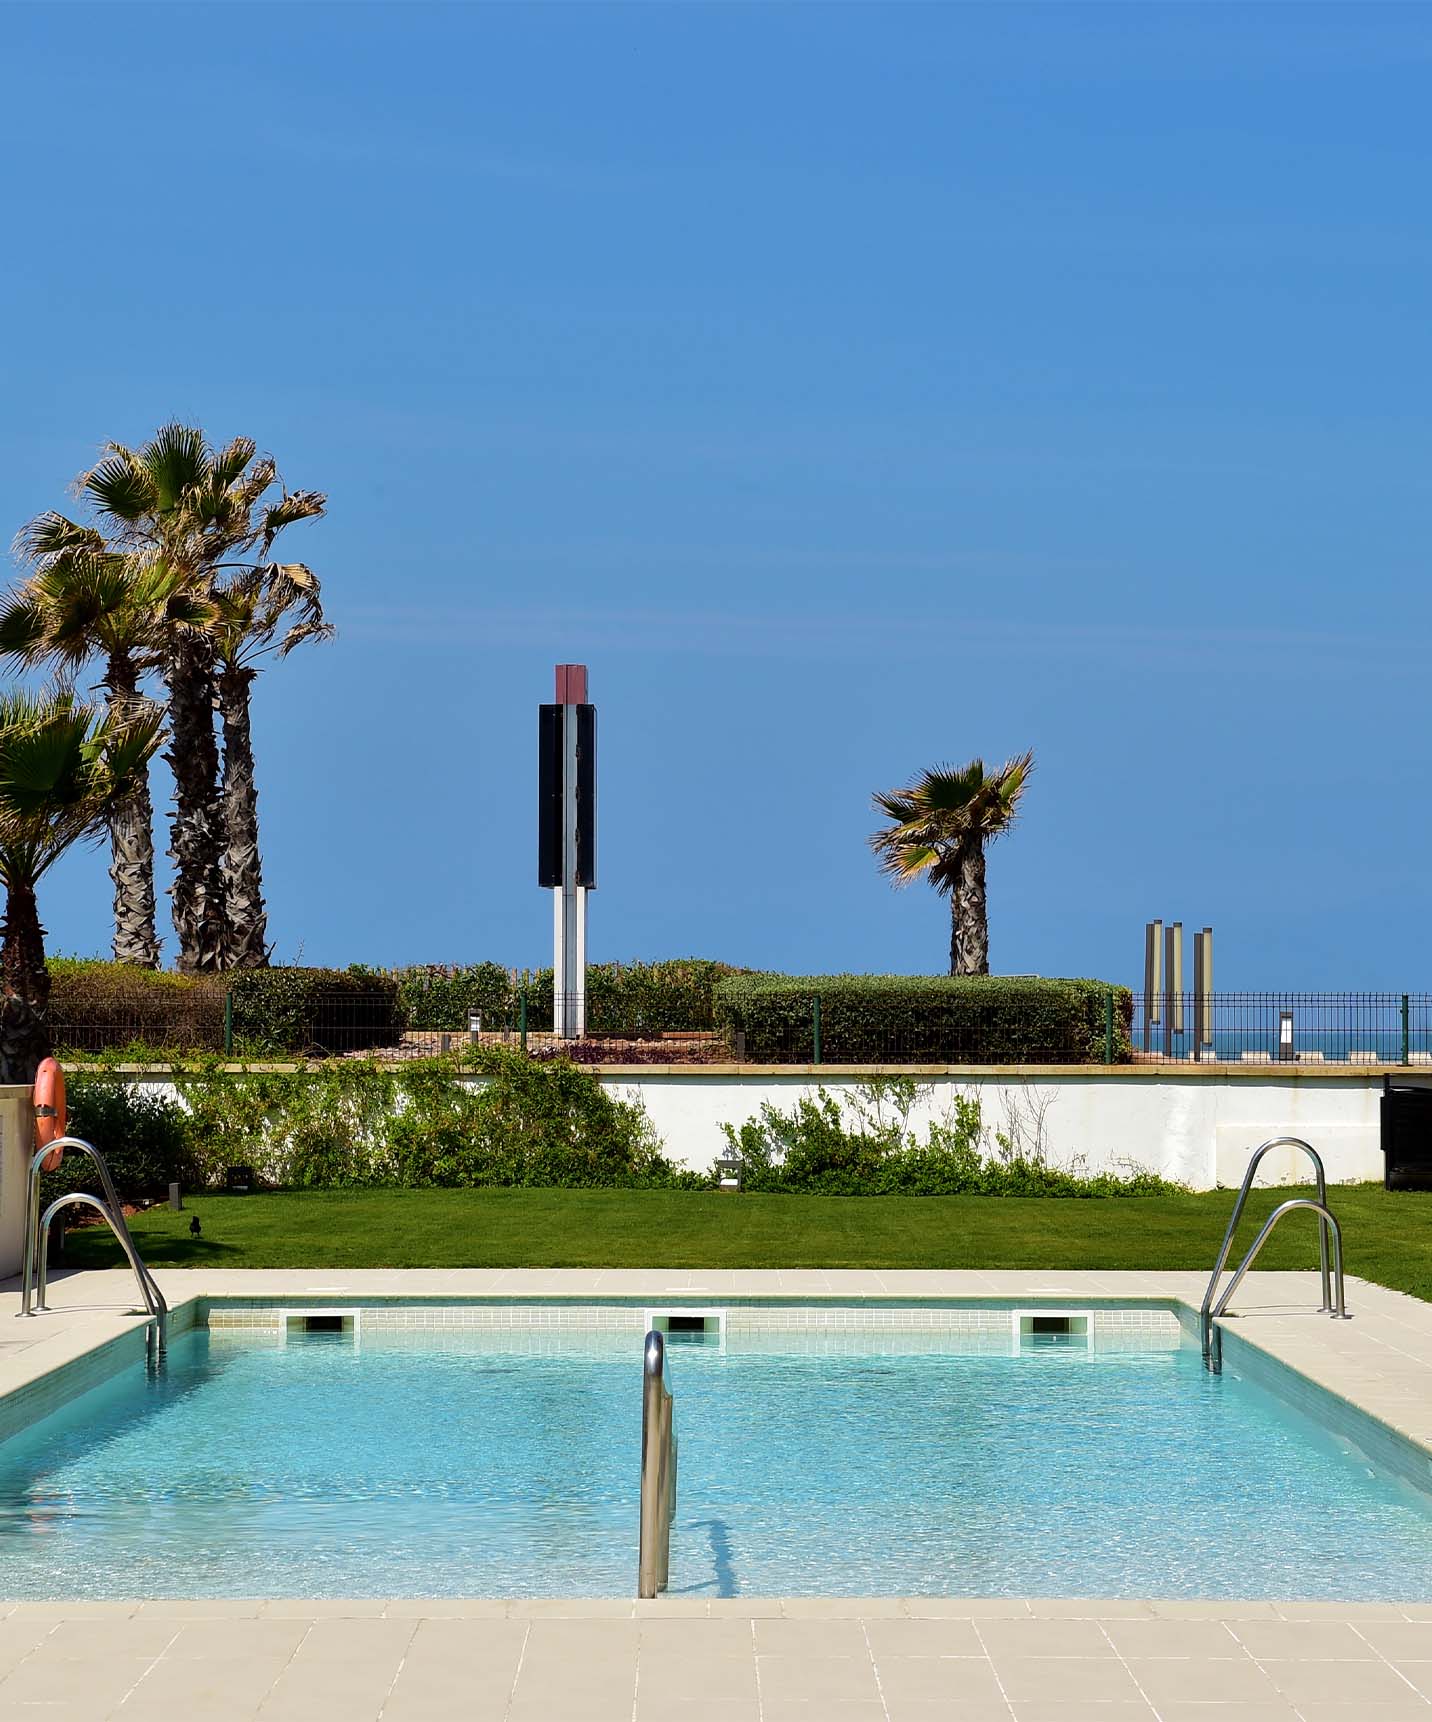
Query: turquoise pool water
458, 1466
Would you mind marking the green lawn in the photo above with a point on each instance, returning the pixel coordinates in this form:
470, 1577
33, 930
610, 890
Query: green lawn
1389, 1237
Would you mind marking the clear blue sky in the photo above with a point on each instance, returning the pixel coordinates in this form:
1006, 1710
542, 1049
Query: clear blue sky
851, 388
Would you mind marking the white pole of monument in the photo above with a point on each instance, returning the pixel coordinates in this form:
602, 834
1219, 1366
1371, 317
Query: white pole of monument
569, 888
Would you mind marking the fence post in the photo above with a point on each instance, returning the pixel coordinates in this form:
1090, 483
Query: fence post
229, 1024
1108, 1025
522, 1016
1405, 1058
815, 1028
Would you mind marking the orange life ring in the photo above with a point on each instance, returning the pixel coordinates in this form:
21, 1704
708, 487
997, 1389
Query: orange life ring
51, 1115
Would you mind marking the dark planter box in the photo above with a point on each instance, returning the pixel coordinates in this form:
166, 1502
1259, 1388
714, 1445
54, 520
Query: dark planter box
1407, 1138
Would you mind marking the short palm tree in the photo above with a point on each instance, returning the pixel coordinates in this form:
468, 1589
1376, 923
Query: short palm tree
207, 516
939, 826
266, 609
64, 767
81, 601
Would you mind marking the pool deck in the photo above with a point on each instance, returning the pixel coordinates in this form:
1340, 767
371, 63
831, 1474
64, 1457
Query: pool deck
698, 1659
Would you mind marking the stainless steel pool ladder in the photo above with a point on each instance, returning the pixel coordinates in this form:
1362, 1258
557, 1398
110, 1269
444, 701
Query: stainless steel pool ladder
658, 1469
111, 1210
1333, 1302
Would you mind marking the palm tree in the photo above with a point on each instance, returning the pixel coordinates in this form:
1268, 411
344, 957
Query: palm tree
267, 608
939, 826
82, 601
203, 515
64, 767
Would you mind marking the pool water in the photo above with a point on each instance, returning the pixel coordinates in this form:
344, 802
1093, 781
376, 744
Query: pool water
460, 1467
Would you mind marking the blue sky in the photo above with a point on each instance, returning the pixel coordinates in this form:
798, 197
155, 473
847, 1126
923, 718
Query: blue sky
851, 388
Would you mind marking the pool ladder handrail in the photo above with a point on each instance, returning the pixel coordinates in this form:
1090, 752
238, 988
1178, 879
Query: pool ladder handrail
37, 1234
1333, 1303
658, 1469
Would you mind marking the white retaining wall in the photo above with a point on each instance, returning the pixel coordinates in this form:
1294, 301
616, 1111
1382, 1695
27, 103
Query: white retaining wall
1198, 1129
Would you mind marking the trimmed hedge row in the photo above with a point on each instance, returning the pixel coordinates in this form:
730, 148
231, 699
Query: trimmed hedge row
622, 998
96, 1005
930, 1018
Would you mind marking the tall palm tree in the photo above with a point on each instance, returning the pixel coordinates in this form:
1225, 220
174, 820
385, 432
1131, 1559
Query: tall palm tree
267, 608
82, 601
939, 826
206, 515
64, 766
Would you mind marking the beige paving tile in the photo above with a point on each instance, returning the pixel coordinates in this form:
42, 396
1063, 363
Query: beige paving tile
1044, 1638
923, 1638
693, 1710
1362, 1712
808, 1679
1178, 1711
1182, 1638
1116, 1710
595, 1642
1335, 1682
810, 1638
216, 1682
1065, 1679
570, 1707
132, 1637
949, 1710
840, 1607
758, 1608
1353, 1611
322, 1608
1399, 1641
1075, 1608
203, 1608
452, 1608
1417, 1674
1207, 1681
817, 1710
73, 1611
221, 1640
43, 1679
967, 1608
930, 1678
1197, 1609
692, 1677
672, 1607
1303, 1641
696, 1638
571, 1608
350, 1641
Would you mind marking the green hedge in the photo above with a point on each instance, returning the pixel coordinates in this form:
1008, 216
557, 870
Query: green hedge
313, 1011
926, 1018
95, 1006
98, 1007
622, 998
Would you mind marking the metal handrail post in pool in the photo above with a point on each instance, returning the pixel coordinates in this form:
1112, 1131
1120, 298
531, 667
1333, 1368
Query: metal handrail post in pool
1327, 1222
1204, 1319
153, 1298
658, 1469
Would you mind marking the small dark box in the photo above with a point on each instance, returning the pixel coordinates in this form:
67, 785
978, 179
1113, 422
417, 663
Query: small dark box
1407, 1138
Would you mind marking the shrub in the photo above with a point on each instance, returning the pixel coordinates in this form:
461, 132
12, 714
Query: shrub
440, 996
622, 998
353, 1123
942, 1019
815, 1150
97, 1006
293, 1010
144, 1137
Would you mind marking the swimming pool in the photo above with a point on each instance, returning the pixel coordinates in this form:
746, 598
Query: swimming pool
505, 1462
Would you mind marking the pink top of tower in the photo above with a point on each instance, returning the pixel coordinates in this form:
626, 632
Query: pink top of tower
571, 684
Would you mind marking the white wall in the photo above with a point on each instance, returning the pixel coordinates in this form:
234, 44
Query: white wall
1197, 1129
17, 1142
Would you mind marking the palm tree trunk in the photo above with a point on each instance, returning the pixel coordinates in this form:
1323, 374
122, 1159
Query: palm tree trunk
971, 914
25, 999
131, 836
195, 831
246, 931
